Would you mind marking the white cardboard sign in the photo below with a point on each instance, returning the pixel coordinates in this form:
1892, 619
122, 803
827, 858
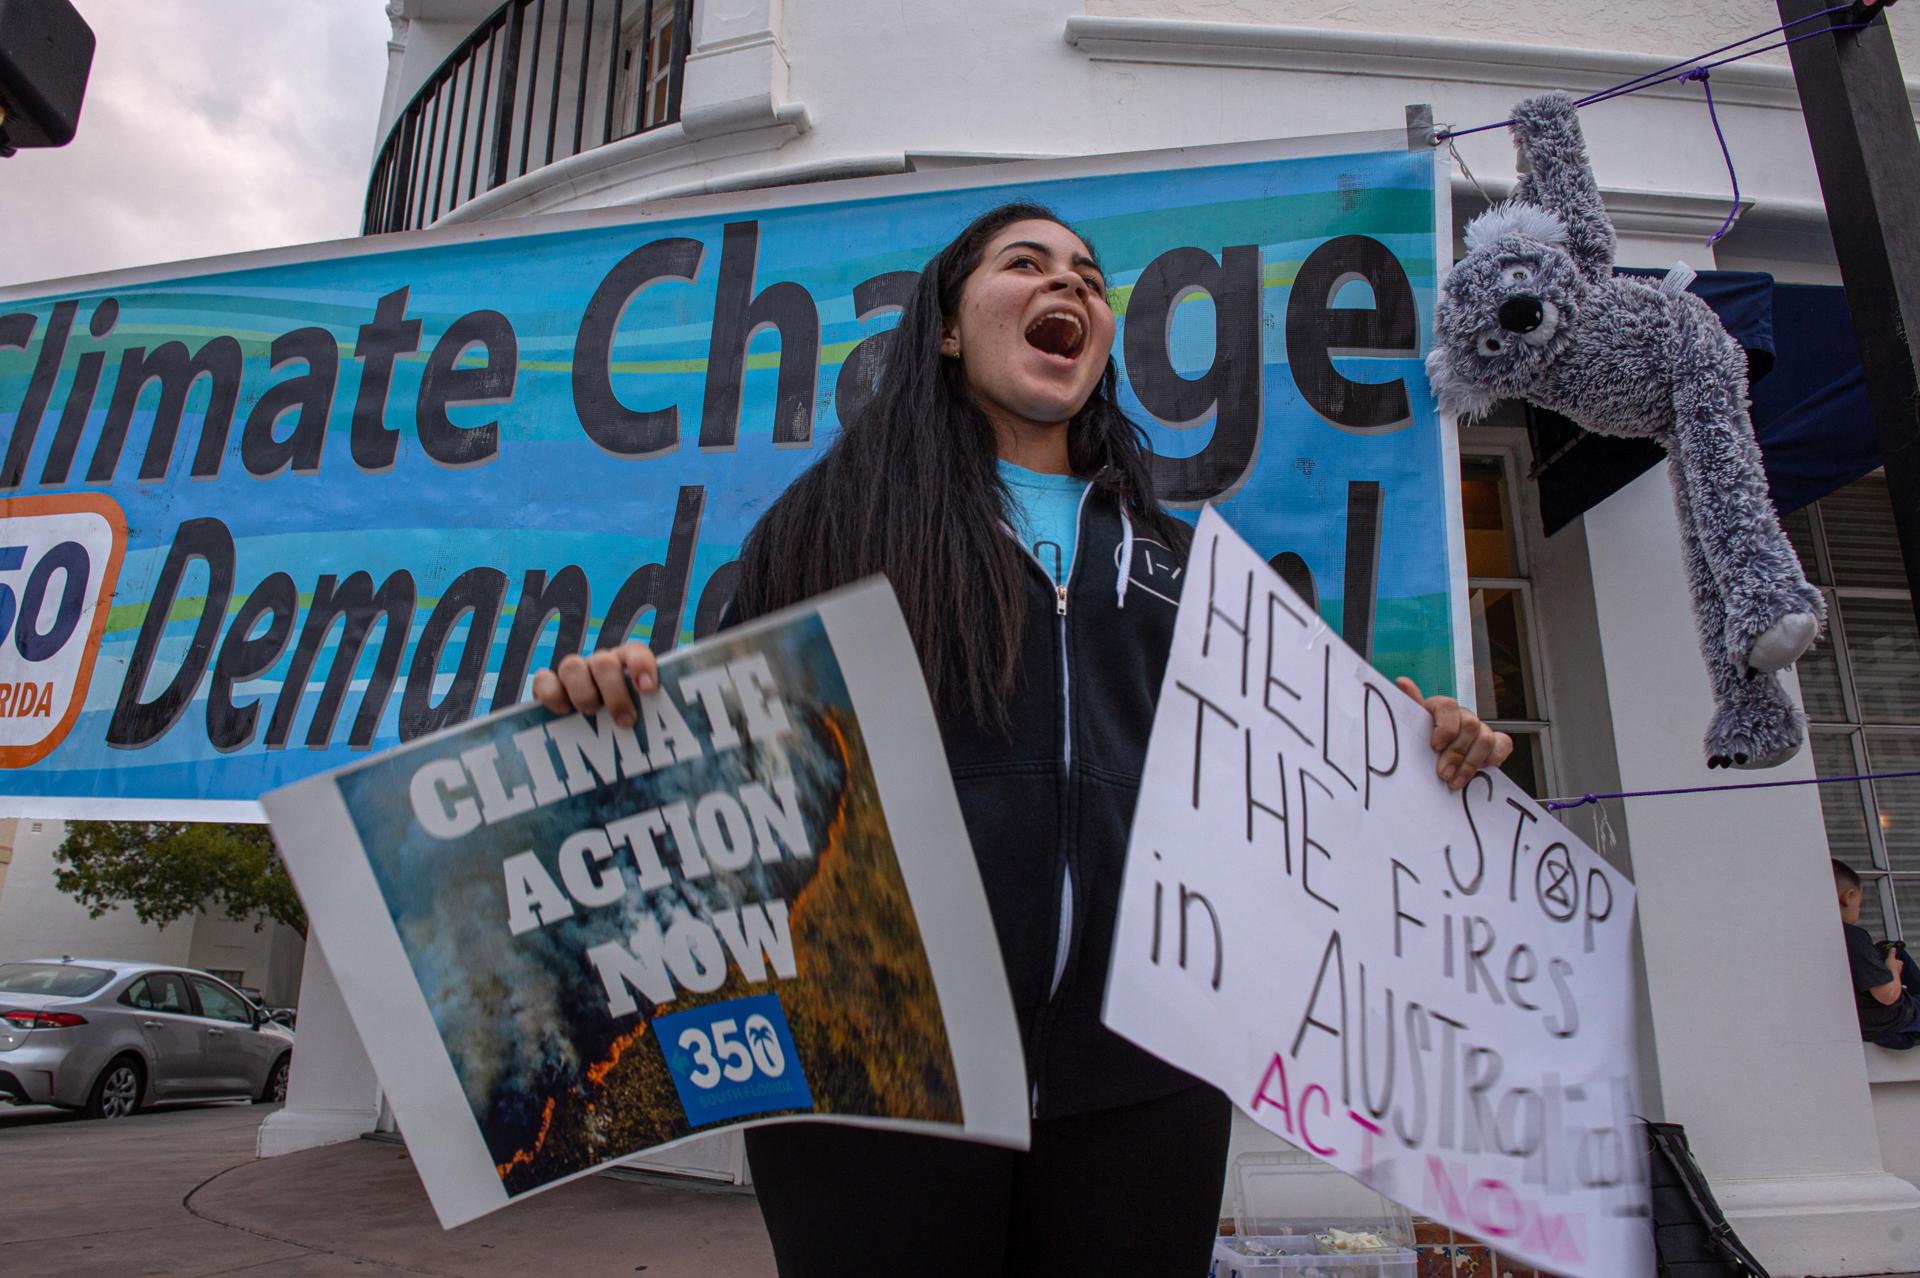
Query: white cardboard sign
565, 942
1432, 990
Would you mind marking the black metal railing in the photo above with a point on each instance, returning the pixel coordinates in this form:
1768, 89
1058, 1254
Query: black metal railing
537, 81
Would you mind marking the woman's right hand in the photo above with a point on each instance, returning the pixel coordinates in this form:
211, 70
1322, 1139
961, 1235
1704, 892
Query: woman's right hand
599, 680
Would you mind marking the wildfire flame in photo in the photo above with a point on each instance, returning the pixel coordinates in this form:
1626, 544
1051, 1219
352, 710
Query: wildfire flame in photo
525, 1156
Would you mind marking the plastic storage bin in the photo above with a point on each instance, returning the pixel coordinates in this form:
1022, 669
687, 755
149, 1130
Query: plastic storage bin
1230, 1262
1286, 1207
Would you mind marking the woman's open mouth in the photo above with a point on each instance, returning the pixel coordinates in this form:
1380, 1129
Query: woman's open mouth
1057, 333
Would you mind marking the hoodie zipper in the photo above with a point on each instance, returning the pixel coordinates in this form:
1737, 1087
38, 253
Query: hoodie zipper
1060, 589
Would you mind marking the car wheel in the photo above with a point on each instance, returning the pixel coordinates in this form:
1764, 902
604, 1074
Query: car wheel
116, 1093
275, 1092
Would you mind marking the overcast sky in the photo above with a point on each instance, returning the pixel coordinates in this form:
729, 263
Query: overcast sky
209, 126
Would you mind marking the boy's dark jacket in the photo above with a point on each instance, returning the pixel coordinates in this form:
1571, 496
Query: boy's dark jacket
1054, 793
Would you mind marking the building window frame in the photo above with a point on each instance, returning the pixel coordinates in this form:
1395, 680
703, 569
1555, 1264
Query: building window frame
649, 105
1855, 729
1507, 448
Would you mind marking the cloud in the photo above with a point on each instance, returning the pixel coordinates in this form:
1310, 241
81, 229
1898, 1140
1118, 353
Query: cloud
209, 127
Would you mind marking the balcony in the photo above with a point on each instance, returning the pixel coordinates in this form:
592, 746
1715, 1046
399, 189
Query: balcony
536, 81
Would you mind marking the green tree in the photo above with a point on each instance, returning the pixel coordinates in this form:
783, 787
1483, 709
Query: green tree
167, 870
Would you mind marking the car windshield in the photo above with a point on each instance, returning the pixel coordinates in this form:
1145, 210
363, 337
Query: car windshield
59, 980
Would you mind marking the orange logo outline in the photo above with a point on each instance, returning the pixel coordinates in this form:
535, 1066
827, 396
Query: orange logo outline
67, 504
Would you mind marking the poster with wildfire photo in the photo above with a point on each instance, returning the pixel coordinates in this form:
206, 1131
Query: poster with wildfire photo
565, 942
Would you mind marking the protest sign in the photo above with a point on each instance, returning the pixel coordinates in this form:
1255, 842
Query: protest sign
1432, 990
564, 942
265, 515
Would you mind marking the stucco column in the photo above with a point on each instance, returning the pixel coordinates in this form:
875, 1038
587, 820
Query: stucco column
332, 1093
1754, 1036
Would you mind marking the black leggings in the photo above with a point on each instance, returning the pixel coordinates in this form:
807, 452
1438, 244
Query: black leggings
1132, 1192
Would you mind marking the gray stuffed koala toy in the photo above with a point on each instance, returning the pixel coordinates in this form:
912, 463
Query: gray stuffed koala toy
1535, 312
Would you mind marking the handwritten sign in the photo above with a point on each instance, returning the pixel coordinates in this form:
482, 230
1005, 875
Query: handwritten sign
565, 941
1429, 989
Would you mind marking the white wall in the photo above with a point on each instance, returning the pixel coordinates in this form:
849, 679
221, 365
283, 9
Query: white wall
1895, 1079
269, 958
1639, 26
432, 30
37, 919
786, 90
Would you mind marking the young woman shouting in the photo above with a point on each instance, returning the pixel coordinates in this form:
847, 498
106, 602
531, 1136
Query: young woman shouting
990, 474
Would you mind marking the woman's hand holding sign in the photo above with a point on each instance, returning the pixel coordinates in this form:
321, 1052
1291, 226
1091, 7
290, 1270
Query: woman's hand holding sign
1464, 743
599, 679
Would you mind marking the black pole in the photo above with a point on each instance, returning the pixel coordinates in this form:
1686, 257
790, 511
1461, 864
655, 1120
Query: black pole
480, 117
509, 86
533, 80
1861, 126
682, 41
613, 71
646, 68
586, 61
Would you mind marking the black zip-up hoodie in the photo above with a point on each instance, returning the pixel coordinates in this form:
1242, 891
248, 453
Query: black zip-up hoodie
1049, 802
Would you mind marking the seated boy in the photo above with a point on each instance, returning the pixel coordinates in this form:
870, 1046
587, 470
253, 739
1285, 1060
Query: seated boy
1883, 976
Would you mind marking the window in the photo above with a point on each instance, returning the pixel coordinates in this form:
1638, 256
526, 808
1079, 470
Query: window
646, 65
231, 975
158, 992
1506, 670
221, 1003
1861, 686
57, 980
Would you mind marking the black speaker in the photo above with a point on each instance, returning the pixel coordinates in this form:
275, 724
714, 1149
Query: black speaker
46, 51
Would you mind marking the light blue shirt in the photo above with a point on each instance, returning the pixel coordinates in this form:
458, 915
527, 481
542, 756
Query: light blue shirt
1045, 512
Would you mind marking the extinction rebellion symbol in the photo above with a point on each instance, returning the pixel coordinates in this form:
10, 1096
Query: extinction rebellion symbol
59, 560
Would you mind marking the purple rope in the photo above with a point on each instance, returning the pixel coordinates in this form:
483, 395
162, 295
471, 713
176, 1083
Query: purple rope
1686, 69
1621, 91
1706, 82
1560, 805
1680, 70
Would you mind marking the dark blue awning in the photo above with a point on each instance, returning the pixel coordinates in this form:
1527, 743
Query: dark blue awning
1810, 412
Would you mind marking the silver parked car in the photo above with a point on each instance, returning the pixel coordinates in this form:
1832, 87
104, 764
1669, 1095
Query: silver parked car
108, 1037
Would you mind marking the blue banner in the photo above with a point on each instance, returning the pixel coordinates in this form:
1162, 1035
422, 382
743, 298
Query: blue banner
257, 522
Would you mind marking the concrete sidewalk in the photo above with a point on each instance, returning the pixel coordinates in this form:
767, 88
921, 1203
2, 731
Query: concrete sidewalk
179, 1194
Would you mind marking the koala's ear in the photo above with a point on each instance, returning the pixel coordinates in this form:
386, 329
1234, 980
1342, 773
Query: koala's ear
1546, 130
1510, 217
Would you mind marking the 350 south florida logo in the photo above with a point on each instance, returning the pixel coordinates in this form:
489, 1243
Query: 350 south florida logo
59, 560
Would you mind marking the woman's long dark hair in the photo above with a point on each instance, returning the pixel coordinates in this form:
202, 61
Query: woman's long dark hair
910, 489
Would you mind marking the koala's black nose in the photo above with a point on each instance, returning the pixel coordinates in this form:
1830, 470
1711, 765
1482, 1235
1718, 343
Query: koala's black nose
1521, 314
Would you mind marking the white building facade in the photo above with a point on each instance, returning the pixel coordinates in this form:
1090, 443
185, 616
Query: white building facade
38, 920
1588, 653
